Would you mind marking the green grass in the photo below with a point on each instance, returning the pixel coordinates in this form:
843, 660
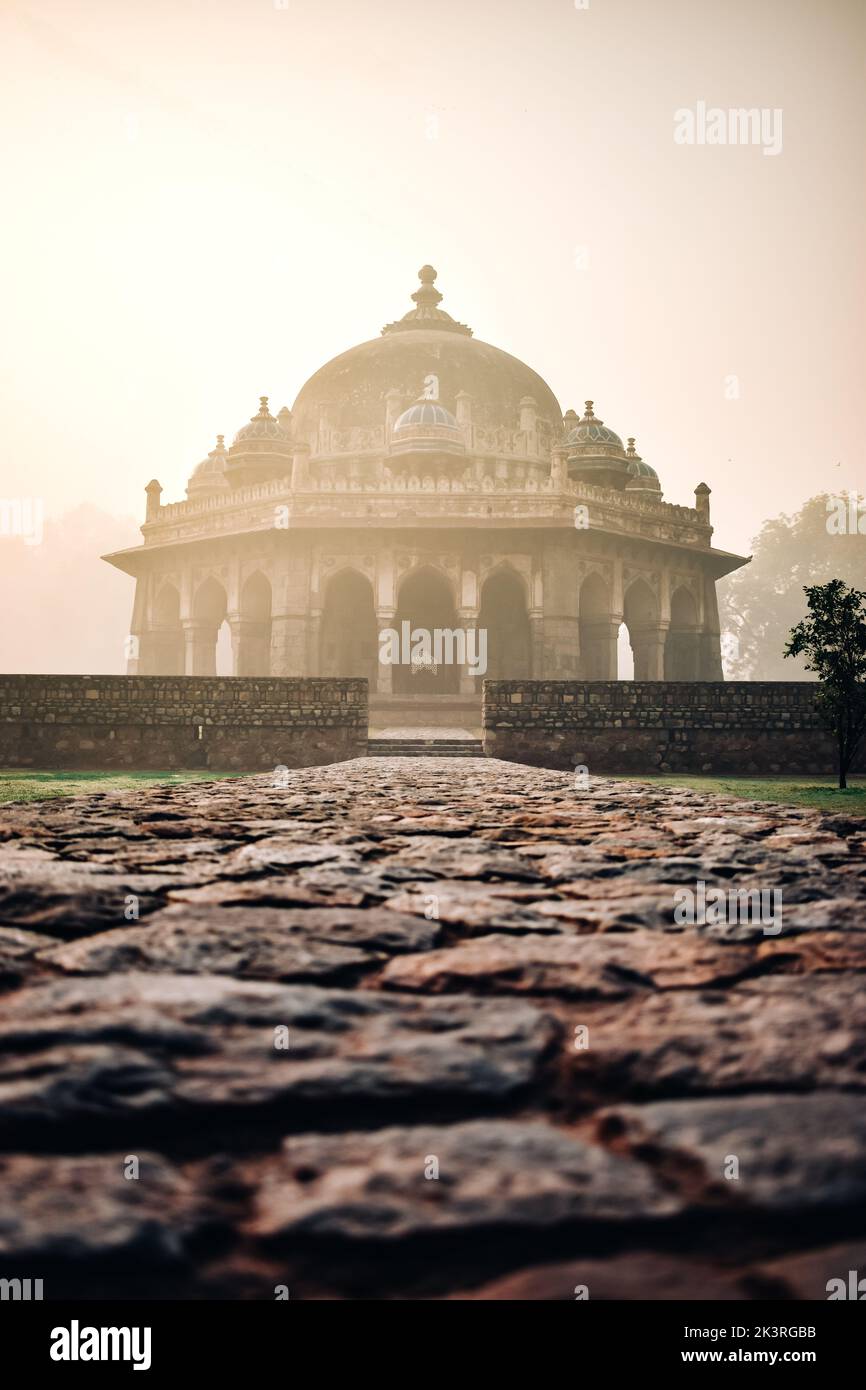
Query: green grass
819, 793
816, 792
17, 784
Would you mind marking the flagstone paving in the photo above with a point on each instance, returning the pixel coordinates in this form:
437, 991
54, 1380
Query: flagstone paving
429, 1028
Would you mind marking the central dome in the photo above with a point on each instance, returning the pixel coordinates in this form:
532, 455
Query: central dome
426, 344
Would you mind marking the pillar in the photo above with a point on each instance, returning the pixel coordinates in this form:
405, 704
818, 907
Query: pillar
250, 646
300, 466
536, 643
393, 409
467, 618
289, 644
384, 670
200, 643
710, 654
137, 649
560, 645
599, 649
648, 645
290, 611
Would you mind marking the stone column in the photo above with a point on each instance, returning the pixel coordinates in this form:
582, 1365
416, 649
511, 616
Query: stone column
137, 646
200, 642
288, 644
536, 639
393, 409
467, 618
599, 649
683, 654
561, 646
290, 614
236, 628
250, 646
710, 654
300, 479
384, 670
648, 645
314, 643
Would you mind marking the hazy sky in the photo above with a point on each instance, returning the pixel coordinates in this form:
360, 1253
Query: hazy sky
207, 199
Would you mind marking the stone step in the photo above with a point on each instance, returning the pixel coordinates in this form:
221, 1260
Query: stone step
425, 748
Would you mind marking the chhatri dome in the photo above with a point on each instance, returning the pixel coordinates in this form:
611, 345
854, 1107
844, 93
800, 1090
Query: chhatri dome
430, 477
426, 427
208, 478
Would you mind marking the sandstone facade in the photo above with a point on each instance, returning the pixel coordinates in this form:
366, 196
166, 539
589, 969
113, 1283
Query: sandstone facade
431, 478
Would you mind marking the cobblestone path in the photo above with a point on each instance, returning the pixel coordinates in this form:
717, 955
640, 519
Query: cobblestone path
428, 1028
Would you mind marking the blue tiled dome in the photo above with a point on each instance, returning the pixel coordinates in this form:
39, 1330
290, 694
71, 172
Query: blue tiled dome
641, 477
590, 432
427, 427
638, 469
425, 413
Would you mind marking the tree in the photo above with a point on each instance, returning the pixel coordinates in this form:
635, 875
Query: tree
762, 602
833, 641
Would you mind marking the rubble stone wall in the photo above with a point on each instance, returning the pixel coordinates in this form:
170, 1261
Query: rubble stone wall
660, 726
163, 722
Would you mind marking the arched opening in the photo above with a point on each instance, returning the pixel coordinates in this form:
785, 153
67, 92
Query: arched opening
208, 612
624, 655
597, 631
349, 636
682, 647
166, 637
425, 602
640, 613
504, 617
254, 629
224, 657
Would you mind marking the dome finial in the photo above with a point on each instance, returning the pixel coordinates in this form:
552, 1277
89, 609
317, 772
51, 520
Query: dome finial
427, 313
263, 408
221, 441
631, 449
590, 414
428, 296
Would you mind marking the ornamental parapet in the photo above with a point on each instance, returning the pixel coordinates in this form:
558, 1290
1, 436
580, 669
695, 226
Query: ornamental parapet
274, 505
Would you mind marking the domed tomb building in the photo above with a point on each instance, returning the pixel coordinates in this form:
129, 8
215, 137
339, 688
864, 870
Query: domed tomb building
430, 478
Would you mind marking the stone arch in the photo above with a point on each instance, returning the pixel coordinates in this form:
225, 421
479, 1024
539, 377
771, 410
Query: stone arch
166, 657
348, 644
682, 646
504, 616
423, 567
425, 600
641, 617
208, 615
510, 567
597, 630
253, 628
